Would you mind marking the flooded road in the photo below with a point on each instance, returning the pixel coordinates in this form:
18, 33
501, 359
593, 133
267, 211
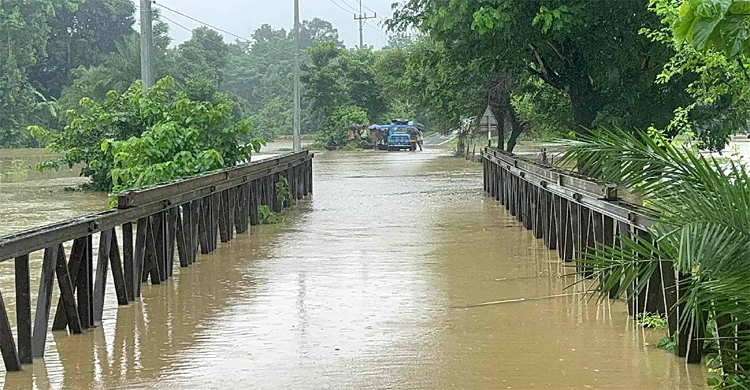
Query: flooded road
390, 276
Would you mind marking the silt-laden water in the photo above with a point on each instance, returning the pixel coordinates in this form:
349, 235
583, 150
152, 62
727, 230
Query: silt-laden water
371, 283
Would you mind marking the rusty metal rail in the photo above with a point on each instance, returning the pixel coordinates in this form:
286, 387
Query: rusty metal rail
572, 214
184, 216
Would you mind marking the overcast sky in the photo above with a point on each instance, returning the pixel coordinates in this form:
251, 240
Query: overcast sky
242, 17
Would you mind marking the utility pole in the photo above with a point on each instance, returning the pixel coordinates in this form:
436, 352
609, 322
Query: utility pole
147, 50
362, 18
297, 142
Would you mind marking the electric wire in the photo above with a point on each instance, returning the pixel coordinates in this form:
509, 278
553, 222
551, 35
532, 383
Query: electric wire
203, 23
274, 51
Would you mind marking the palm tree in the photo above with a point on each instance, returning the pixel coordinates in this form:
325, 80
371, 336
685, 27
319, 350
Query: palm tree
702, 211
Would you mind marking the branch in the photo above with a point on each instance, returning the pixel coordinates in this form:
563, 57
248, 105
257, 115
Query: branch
544, 78
559, 54
539, 60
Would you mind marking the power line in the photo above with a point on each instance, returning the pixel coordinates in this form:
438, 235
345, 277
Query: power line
203, 23
338, 5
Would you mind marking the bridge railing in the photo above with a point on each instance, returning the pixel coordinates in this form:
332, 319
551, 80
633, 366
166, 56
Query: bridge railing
573, 213
186, 216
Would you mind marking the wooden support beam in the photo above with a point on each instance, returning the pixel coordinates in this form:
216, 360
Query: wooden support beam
43, 302
223, 217
153, 267
195, 223
117, 274
182, 243
171, 239
203, 227
100, 281
77, 261
140, 255
23, 309
254, 202
67, 295
7, 342
128, 259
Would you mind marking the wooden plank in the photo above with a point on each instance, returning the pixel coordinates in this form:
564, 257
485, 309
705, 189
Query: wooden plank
66, 292
7, 342
152, 257
195, 223
100, 280
117, 274
566, 238
275, 204
23, 309
128, 260
254, 202
608, 239
134, 198
77, 257
551, 222
171, 239
215, 202
182, 245
86, 284
140, 255
159, 224
539, 209
187, 226
223, 219
203, 228
43, 302
231, 197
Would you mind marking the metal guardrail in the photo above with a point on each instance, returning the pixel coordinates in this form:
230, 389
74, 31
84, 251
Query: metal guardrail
184, 216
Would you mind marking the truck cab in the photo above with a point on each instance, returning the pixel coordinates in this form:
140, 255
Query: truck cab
401, 135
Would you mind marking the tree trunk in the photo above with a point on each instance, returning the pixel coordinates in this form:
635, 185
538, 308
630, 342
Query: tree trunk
517, 128
586, 104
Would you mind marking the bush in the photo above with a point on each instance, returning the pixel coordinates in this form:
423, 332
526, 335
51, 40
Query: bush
130, 140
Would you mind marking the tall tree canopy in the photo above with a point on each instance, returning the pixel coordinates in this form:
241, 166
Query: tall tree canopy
593, 53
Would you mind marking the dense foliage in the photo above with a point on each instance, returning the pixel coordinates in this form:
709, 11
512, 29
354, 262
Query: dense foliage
132, 140
702, 206
335, 128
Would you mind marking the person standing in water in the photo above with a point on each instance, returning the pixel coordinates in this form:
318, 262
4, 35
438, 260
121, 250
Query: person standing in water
420, 140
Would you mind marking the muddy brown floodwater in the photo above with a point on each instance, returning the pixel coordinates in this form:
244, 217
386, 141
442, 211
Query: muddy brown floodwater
371, 283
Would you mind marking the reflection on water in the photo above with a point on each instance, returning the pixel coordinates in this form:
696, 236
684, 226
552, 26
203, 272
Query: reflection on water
365, 285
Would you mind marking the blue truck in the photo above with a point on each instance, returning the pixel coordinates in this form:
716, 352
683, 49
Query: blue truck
401, 135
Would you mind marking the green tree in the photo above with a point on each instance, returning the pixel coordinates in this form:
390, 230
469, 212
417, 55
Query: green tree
593, 53
129, 140
711, 46
24, 32
335, 128
204, 55
82, 36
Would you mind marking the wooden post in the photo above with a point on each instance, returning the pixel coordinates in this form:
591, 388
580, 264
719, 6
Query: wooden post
43, 301
128, 258
7, 343
224, 225
117, 275
23, 309
66, 292
100, 282
140, 255
77, 275
182, 243
254, 202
